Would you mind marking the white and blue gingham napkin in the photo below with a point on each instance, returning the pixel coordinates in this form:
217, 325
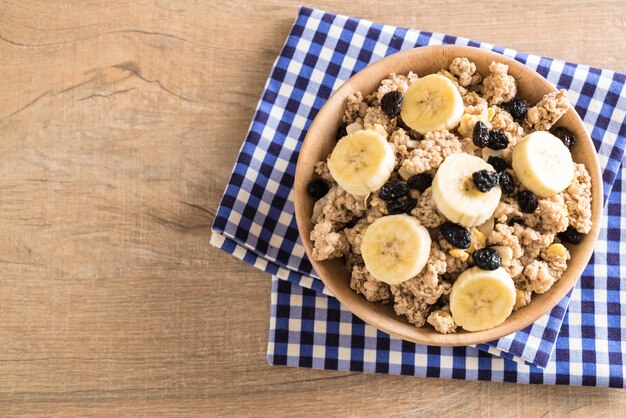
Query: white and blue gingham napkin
308, 329
255, 220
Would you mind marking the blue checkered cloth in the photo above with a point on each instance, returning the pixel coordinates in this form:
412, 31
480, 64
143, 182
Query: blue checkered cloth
309, 329
255, 220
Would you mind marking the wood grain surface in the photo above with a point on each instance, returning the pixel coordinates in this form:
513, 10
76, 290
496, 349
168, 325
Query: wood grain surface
119, 125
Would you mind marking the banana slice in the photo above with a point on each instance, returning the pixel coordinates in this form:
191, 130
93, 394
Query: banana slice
395, 248
455, 195
482, 299
362, 162
543, 164
486, 228
432, 103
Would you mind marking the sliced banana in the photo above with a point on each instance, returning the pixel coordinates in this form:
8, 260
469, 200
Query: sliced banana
455, 195
482, 299
395, 248
543, 164
362, 162
486, 228
432, 103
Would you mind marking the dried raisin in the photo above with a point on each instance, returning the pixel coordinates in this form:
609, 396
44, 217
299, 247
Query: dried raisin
517, 108
456, 235
420, 182
391, 103
487, 258
317, 188
485, 180
480, 135
498, 140
393, 190
401, 206
571, 235
527, 201
506, 183
497, 163
565, 136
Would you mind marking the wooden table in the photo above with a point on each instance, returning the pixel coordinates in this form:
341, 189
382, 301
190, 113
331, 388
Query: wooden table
119, 125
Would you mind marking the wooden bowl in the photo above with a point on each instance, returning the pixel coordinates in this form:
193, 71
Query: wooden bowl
320, 141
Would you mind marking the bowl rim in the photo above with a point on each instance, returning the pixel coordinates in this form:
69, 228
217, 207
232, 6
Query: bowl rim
462, 338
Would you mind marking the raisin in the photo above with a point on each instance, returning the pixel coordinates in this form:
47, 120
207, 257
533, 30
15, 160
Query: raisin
497, 163
487, 258
441, 302
480, 135
420, 182
527, 201
517, 108
341, 132
498, 140
317, 188
565, 136
571, 235
393, 190
456, 235
506, 183
401, 206
391, 103
485, 180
